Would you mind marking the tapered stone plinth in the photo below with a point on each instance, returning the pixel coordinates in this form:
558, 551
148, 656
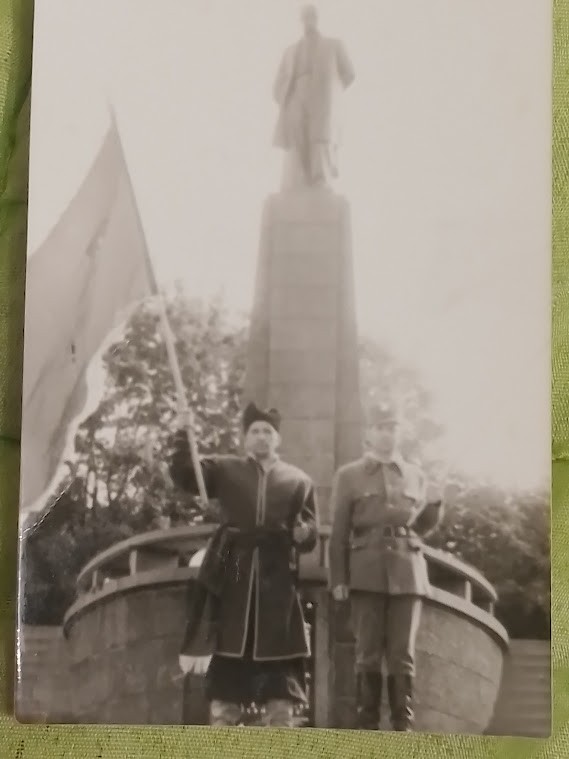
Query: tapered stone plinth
303, 356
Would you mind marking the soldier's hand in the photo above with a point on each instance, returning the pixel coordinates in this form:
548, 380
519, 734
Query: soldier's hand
341, 593
434, 493
211, 509
300, 532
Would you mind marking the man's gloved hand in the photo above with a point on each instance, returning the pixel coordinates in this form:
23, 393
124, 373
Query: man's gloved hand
185, 418
300, 532
341, 593
196, 665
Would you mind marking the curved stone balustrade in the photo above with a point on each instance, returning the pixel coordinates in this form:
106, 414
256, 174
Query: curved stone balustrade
125, 628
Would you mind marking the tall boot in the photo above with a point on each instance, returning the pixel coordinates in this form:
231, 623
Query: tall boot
400, 694
368, 700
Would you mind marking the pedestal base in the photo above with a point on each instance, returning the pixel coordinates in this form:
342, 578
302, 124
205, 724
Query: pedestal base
303, 352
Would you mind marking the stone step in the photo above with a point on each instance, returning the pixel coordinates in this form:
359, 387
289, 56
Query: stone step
527, 715
529, 657
523, 673
524, 686
524, 703
524, 646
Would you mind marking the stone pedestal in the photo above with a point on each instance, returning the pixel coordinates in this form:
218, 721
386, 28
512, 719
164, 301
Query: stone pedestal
303, 354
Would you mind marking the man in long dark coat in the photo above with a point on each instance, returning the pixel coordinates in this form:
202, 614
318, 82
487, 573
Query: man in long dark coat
269, 515
382, 506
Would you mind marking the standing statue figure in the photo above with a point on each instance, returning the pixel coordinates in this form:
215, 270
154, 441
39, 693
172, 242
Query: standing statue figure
312, 74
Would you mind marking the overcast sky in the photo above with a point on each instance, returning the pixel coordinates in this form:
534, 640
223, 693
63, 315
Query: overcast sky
446, 165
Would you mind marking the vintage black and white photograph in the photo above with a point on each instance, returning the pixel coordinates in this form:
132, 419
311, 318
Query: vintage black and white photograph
286, 427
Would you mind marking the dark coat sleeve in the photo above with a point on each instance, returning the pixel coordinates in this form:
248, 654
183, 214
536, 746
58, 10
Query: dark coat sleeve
428, 518
201, 627
308, 515
182, 470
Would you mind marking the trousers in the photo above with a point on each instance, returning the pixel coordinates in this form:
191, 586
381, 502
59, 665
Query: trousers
385, 627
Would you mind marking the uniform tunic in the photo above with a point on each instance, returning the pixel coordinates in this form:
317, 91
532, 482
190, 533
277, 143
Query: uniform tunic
375, 548
260, 619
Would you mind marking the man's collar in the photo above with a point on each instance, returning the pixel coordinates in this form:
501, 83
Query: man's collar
267, 464
373, 462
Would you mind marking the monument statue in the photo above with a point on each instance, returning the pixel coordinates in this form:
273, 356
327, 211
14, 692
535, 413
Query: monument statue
312, 74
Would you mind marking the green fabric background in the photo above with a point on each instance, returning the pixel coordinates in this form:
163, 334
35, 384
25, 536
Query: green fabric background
23, 742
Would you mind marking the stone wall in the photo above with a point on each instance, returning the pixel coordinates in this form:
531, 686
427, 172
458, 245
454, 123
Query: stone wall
124, 659
43, 690
123, 664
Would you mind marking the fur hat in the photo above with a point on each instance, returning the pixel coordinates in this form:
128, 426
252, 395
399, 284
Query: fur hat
254, 414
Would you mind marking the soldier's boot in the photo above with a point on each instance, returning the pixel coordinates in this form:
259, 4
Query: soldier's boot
400, 694
278, 713
368, 700
224, 714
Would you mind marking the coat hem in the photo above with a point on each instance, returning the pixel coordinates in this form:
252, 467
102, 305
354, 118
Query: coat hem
287, 657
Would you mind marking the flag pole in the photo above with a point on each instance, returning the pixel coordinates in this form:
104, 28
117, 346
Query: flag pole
180, 390
167, 334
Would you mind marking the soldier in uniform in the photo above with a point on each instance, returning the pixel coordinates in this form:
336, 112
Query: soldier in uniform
268, 514
381, 506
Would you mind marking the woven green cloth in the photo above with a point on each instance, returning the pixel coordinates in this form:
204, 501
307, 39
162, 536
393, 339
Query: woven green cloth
24, 742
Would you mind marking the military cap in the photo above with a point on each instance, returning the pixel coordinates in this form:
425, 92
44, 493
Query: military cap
385, 412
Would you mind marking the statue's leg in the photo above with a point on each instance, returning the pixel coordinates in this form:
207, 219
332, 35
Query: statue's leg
294, 174
296, 164
323, 169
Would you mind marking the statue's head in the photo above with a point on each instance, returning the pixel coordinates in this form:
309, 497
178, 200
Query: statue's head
309, 17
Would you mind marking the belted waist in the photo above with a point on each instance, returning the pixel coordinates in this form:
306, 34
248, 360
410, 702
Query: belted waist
258, 536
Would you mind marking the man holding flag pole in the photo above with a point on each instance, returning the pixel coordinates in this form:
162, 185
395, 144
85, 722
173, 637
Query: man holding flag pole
98, 255
268, 514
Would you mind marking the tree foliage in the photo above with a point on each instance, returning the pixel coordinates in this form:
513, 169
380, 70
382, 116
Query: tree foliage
506, 537
114, 489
